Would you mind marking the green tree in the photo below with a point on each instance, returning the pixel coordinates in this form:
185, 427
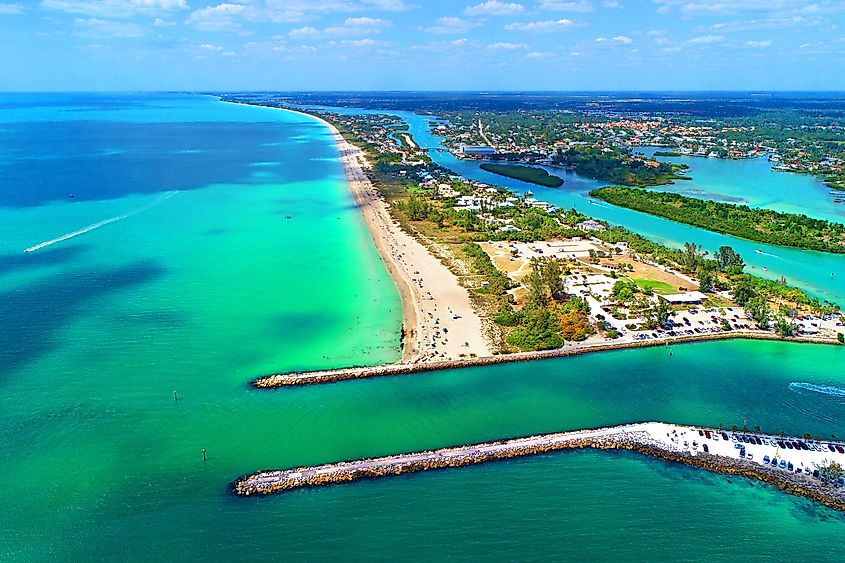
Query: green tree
552, 275
783, 327
624, 291
706, 279
537, 295
659, 314
830, 471
759, 310
729, 260
743, 291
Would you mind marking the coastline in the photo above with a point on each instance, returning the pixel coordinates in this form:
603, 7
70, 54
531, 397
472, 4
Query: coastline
432, 298
276, 381
705, 448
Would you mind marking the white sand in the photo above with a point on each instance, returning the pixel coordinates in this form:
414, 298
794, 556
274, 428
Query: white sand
439, 320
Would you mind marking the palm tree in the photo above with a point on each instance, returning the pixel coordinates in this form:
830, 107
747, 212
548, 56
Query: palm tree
757, 428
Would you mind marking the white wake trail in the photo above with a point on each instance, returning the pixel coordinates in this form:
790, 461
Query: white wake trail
164, 197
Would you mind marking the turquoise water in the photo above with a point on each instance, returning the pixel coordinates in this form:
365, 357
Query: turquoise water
753, 182
212, 286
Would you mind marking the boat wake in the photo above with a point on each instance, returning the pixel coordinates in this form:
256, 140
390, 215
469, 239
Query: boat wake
161, 199
838, 392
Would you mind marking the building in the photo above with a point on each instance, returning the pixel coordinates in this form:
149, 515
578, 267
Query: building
688, 298
591, 225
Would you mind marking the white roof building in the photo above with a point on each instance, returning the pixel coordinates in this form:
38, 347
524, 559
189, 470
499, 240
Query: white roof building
688, 298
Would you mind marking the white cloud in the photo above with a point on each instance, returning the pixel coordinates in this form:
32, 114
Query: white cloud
495, 8
209, 47
349, 27
217, 18
759, 44
625, 40
507, 46
115, 8
539, 55
450, 25
367, 42
306, 32
158, 22
97, 28
707, 39
541, 26
387, 5
10, 9
358, 26
581, 6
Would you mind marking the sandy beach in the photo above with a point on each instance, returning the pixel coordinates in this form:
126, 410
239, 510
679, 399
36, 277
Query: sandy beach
439, 321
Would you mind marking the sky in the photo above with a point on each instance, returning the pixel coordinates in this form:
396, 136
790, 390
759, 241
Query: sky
129, 45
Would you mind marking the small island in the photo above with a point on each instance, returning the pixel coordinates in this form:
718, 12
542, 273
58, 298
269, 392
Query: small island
760, 225
524, 173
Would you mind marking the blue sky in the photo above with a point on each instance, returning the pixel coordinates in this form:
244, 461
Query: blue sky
422, 44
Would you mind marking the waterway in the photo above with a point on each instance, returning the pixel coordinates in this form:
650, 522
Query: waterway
752, 182
820, 274
214, 285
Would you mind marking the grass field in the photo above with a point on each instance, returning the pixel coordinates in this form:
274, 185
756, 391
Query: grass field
659, 287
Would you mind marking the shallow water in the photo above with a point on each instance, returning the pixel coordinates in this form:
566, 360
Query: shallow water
214, 286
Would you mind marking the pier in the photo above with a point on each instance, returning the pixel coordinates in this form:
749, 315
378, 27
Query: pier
707, 448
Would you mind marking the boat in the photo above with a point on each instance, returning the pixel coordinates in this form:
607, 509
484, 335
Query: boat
758, 251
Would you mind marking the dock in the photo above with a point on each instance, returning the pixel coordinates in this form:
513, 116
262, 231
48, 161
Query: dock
706, 448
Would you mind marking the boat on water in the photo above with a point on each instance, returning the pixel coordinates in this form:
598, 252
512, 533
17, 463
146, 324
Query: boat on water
758, 251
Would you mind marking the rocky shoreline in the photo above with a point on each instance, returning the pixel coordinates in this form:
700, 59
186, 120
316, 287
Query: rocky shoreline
360, 372
641, 438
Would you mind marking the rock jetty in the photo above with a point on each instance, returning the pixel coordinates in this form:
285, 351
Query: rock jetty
660, 440
343, 374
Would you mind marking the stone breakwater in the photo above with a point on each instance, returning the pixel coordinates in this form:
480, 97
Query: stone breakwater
332, 376
645, 438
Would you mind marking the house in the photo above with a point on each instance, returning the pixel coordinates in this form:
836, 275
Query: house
591, 225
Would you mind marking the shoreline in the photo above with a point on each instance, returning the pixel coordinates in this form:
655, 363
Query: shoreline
431, 296
276, 381
719, 452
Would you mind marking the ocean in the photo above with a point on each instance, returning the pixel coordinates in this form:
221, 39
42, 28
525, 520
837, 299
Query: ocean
236, 250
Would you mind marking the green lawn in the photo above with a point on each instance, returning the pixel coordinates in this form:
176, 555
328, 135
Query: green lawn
659, 287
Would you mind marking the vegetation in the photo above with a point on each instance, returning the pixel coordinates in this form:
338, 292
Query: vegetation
667, 153
761, 225
617, 167
525, 174
830, 471
548, 317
